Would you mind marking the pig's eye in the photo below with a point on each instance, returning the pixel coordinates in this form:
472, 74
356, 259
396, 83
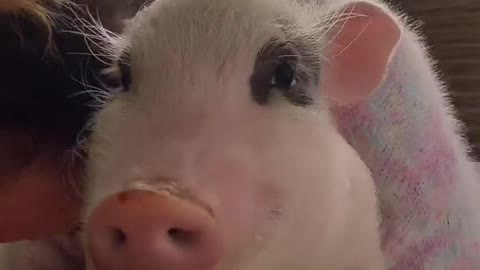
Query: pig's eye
124, 72
125, 76
283, 68
283, 76
119, 77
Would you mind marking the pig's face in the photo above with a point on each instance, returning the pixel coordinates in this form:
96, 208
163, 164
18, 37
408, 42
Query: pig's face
222, 110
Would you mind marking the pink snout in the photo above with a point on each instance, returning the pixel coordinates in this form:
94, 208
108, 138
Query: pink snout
141, 230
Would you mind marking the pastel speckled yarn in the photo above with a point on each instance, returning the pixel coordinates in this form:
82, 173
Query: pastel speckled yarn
428, 188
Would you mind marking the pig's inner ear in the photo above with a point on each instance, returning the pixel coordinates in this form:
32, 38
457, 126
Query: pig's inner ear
358, 53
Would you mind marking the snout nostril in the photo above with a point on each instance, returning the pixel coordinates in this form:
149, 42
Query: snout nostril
148, 231
182, 237
118, 237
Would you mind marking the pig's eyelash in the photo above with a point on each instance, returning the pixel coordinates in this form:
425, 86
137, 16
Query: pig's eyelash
98, 95
289, 56
320, 32
94, 32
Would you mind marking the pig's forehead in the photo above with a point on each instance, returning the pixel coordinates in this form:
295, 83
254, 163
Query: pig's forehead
200, 29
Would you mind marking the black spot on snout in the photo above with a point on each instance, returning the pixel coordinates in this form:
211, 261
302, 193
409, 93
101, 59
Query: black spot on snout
285, 67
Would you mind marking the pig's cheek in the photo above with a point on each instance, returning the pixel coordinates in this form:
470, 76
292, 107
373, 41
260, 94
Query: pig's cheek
232, 193
234, 208
246, 213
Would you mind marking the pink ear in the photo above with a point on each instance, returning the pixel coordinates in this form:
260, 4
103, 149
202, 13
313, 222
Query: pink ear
359, 53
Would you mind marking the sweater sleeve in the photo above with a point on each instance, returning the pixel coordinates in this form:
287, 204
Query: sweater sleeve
429, 191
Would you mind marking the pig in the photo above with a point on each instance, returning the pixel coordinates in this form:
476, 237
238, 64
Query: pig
216, 148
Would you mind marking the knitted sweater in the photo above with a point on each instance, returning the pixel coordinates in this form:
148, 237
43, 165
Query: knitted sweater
428, 188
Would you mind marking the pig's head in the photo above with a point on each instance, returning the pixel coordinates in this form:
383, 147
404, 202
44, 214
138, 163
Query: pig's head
219, 152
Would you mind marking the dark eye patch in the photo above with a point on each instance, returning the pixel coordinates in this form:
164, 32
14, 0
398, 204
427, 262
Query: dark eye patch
286, 68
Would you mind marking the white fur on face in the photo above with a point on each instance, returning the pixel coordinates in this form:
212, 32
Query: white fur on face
287, 191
